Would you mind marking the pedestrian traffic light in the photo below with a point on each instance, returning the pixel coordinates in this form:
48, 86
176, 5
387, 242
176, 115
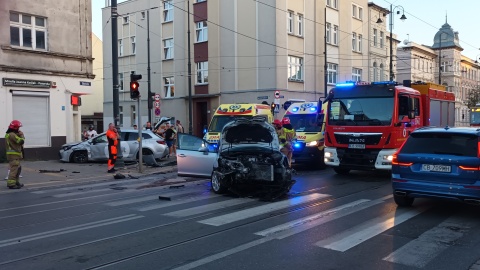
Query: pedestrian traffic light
134, 85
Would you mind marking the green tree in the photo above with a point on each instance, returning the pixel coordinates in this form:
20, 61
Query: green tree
473, 98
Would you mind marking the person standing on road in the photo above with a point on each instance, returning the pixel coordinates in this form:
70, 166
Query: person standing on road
286, 138
148, 126
112, 137
14, 140
170, 138
180, 128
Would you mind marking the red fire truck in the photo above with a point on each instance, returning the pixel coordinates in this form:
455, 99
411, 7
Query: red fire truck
368, 122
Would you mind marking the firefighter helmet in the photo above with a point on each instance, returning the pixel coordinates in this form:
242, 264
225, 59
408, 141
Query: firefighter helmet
285, 121
277, 122
15, 124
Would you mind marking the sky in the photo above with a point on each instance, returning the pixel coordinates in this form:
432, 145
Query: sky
424, 18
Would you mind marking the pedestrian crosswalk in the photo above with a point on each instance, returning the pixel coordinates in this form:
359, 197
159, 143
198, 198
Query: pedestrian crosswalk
197, 204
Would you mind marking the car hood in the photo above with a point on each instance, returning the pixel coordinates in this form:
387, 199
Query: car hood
72, 144
248, 132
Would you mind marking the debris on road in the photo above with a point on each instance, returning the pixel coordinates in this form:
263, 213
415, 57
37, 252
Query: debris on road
177, 186
162, 198
51, 171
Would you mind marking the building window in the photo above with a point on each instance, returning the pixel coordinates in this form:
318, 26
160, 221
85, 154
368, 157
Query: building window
168, 48
295, 68
133, 114
300, 25
120, 81
354, 41
375, 72
359, 43
356, 74
28, 31
382, 73
374, 37
120, 47
381, 39
202, 31
360, 13
120, 112
290, 22
198, 1
357, 12
125, 20
202, 72
332, 73
167, 11
169, 87
444, 67
332, 3
335, 34
134, 48
328, 27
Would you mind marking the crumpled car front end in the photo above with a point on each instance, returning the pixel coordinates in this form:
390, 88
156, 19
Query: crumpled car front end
249, 160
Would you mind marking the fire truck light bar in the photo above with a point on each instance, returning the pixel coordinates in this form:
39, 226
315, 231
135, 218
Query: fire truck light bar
344, 84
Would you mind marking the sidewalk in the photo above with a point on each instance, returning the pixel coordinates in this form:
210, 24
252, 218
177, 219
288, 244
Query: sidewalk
54, 172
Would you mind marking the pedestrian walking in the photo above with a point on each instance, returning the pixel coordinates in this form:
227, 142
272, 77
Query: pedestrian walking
14, 140
180, 128
112, 137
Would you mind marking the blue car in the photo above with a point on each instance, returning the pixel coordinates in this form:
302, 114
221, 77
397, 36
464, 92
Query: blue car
438, 163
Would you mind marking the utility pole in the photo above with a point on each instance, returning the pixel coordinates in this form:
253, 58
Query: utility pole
116, 113
190, 105
149, 95
325, 55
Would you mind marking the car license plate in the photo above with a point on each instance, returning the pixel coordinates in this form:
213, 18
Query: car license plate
436, 168
356, 146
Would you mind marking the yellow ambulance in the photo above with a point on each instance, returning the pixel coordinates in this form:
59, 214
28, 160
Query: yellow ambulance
307, 118
229, 112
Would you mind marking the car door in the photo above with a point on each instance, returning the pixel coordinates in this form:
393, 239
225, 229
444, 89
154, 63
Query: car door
192, 159
98, 148
129, 145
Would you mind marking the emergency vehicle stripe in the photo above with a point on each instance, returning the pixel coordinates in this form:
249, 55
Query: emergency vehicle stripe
430, 244
367, 230
208, 207
248, 213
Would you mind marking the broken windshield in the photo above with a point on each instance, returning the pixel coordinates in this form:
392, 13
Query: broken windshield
370, 111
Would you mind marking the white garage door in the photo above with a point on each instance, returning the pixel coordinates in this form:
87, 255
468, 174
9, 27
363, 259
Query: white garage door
32, 109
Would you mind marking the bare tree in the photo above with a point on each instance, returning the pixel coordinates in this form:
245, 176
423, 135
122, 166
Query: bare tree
473, 98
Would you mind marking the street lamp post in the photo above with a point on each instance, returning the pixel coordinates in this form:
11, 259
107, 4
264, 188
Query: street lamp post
391, 37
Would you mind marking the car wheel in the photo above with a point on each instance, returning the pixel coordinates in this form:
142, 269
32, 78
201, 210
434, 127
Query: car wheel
146, 152
79, 157
216, 183
341, 171
403, 201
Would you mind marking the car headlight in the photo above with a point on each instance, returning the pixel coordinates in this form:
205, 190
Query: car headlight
327, 154
389, 157
312, 143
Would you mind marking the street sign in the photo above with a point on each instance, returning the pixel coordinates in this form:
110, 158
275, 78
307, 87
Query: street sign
157, 111
276, 101
277, 94
282, 96
262, 97
277, 108
157, 97
156, 104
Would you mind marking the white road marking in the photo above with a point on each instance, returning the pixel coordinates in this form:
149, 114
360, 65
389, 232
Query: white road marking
208, 207
255, 211
90, 225
148, 198
430, 244
162, 204
363, 232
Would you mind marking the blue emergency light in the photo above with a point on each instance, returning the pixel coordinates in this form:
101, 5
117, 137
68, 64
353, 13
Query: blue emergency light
312, 109
384, 82
344, 84
295, 109
297, 145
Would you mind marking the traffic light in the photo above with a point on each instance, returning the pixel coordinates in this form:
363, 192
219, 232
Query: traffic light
134, 85
272, 108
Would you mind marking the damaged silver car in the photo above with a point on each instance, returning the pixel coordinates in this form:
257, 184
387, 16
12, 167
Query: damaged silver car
248, 156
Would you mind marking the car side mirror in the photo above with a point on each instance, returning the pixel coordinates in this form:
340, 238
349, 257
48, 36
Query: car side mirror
204, 150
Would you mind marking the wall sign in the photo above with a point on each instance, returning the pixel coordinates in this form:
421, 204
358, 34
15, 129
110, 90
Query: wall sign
26, 83
85, 83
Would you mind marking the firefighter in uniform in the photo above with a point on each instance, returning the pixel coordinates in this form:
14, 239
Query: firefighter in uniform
287, 136
112, 137
14, 140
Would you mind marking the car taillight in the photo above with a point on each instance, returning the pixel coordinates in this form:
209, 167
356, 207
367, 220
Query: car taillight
160, 142
469, 168
478, 149
395, 161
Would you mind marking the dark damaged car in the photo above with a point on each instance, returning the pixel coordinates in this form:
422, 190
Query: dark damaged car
247, 159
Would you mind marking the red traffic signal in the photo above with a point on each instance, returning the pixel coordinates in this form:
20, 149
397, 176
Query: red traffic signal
134, 85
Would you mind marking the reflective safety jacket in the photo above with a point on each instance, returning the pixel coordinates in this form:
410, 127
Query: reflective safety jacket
14, 143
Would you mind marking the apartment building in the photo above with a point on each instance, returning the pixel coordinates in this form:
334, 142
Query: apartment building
45, 66
416, 62
241, 52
